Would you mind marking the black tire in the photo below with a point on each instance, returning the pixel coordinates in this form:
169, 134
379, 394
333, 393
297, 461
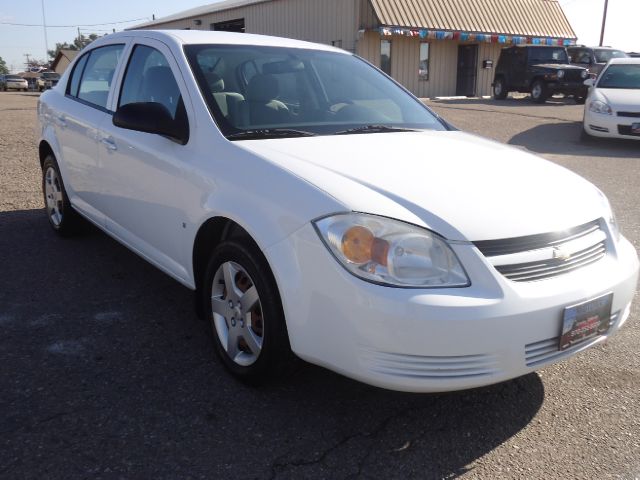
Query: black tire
500, 90
580, 100
69, 221
539, 92
275, 358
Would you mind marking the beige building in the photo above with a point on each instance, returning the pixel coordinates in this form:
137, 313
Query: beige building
62, 60
433, 47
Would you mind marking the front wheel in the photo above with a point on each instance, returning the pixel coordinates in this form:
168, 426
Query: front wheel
539, 92
62, 217
500, 91
580, 100
243, 307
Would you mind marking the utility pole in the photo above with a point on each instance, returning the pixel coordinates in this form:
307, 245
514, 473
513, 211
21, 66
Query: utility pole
46, 41
604, 21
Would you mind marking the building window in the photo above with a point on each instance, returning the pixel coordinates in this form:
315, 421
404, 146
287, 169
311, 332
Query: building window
423, 67
229, 26
385, 56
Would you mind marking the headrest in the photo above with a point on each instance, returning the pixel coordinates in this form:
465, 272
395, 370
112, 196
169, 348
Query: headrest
215, 81
262, 88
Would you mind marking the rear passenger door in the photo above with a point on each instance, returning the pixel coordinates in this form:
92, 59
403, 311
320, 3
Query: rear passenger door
141, 173
77, 123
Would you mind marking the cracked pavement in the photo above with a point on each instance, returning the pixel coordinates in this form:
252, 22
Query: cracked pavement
107, 373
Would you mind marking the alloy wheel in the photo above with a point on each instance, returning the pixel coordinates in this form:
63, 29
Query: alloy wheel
237, 314
53, 195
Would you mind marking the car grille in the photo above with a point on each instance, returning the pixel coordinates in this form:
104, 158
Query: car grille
547, 350
544, 256
430, 367
626, 130
629, 114
573, 76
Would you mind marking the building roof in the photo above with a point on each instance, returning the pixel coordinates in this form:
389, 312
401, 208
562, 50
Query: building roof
64, 53
539, 18
199, 11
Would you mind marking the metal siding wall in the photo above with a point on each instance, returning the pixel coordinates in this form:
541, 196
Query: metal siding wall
443, 69
321, 22
487, 51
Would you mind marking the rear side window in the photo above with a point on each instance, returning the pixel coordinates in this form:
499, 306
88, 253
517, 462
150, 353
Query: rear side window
149, 79
97, 75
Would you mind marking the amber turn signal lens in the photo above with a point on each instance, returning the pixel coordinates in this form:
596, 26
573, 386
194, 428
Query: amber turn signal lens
359, 245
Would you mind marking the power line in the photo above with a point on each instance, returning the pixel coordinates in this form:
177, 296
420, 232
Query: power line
72, 26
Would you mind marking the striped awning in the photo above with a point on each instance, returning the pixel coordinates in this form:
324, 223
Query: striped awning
539, 18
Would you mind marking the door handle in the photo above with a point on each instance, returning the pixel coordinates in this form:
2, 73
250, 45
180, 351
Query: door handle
62, 120
109, 143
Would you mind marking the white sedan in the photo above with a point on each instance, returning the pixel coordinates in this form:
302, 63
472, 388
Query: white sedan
612, 108
318, 209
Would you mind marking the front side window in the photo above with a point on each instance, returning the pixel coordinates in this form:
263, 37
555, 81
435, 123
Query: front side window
149, 79
423, 67
621, 76
312, 92
98, 74
385, 56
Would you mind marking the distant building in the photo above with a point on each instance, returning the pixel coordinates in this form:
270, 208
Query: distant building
432, 47
62, 60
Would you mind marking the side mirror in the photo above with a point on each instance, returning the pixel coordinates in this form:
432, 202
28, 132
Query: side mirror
152, 117
589, 82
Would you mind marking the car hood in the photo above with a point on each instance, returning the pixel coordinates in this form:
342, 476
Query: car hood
620, 97
459, 185
559, 66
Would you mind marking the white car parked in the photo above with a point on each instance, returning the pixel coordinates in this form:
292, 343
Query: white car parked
612, 108
316, 207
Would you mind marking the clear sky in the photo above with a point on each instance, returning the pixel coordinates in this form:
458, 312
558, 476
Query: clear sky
15, 41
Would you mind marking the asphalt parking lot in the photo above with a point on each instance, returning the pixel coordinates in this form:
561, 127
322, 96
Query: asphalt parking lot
107, 373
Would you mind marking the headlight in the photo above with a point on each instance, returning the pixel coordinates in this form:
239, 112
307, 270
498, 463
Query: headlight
584, 74
600, 107
390, 252
561, 74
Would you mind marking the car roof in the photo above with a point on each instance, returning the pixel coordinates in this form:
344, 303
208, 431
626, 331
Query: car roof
199, 37
625, 61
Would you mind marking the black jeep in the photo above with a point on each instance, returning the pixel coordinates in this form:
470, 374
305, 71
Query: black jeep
539, 70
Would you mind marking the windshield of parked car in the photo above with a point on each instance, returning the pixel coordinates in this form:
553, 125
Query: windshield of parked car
265, 92
50, 76
604, 55
548, 55
621, 76
13, 77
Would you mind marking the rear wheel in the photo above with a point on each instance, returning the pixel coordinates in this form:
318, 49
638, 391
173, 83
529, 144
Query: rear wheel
500, 91
62, 217
243, 307
539, 92
580, 100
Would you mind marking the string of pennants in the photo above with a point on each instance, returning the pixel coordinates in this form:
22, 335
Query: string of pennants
473, 37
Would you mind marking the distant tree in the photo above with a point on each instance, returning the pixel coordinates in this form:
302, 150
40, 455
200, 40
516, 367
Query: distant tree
33, 63
3, 67
78, 44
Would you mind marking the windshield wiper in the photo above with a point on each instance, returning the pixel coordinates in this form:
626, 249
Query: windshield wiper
375, 129
264, 133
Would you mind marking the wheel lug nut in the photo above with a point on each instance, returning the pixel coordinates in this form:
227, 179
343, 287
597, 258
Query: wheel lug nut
230, 304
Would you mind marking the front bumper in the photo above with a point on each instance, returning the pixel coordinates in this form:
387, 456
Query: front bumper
609, 126
568, 88
442, 339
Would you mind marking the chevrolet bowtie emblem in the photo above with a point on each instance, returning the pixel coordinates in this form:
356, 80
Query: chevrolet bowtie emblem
561, 253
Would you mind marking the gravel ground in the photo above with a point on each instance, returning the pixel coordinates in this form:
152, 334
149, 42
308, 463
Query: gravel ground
107, 373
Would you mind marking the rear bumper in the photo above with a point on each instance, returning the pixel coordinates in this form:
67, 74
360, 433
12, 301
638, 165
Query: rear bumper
437, 340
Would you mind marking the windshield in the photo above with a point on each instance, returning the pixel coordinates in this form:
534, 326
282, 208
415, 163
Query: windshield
13, 77
603, 56
548, 55
621, 76
50, 76
260, 92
